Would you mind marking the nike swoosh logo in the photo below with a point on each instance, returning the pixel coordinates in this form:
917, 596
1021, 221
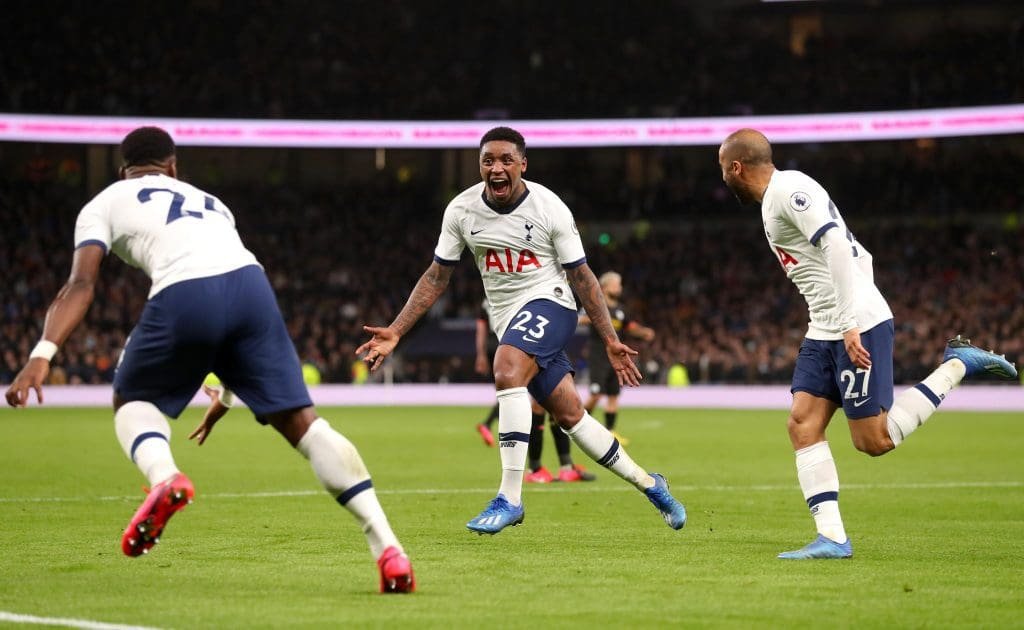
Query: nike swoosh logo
530, 340
860, 403
475, 232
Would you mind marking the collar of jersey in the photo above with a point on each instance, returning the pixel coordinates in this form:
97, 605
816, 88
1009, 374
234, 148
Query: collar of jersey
506, 209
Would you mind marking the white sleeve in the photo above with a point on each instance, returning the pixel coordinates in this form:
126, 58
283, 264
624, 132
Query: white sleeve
566, 237
451, 243
93, 224
841, 266
810, 212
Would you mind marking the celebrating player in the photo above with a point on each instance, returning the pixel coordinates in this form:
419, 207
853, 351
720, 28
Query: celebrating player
531, 259
210, 308
846, 358
602, 378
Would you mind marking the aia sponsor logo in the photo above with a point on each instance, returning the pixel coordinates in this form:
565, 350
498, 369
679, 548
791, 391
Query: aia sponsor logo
786, 259
507, 261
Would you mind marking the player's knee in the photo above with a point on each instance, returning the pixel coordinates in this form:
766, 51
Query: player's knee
505, 379
804, 430
293, 423
508, 375
568, 415
873, 445
794, 424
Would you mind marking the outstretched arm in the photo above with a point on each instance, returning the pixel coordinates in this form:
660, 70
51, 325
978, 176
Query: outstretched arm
221, 400
588, 289
430, 286
640, 331
65, 313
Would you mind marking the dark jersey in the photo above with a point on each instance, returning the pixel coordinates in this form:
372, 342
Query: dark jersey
603, 379
620, 321
492, 341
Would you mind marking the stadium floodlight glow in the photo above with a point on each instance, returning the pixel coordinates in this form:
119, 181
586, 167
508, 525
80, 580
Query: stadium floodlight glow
849, 127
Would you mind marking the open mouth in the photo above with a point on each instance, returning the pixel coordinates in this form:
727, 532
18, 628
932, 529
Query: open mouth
500, 187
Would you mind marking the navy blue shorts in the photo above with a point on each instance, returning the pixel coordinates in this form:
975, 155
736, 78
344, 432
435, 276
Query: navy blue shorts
823, 369
229, 325
543, 329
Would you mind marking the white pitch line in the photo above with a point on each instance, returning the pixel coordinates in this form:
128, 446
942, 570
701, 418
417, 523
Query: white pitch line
66, 622
557, 487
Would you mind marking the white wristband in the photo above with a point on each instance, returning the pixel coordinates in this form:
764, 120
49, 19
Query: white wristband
43, 350
227, 398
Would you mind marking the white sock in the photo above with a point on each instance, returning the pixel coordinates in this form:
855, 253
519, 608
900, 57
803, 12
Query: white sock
341, 470
598, 442
145, 436
914, 406
819, 481
514, 418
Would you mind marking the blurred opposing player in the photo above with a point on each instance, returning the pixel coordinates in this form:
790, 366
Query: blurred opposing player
602, 378
846, 358
530, 256
210, 308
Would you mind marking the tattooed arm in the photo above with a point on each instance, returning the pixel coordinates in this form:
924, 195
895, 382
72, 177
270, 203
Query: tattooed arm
430, 286
584, 283
588, 290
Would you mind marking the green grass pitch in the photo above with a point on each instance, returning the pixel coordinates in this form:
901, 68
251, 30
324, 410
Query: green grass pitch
937, 528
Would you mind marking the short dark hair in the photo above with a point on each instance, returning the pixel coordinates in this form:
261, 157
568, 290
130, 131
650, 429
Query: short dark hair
146, 145
507, 134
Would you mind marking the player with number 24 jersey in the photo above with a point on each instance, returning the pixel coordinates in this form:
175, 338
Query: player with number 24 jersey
139, 221
210, 308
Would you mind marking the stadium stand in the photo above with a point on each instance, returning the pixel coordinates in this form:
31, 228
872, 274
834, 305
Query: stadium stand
942, 217
563, 60
947, 247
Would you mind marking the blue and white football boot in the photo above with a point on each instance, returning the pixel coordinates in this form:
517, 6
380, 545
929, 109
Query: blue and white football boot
498, 515
671, 510
978, 361
821, 548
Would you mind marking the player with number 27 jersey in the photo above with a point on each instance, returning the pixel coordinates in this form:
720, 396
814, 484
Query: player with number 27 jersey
519, 250
846, 359
797, 213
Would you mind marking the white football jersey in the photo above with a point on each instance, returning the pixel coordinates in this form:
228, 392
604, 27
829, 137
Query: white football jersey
169, 229
521, 251
797, 212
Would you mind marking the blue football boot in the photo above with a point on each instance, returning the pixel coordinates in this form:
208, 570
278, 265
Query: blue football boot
978, 361
671, 510
498, 515
821, 548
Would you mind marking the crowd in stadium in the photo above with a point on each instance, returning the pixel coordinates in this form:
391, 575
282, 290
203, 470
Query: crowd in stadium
940, 216
946, 244
664, 58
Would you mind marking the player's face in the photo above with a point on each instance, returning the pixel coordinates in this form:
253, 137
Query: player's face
613, 288
732, 175
502, 168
